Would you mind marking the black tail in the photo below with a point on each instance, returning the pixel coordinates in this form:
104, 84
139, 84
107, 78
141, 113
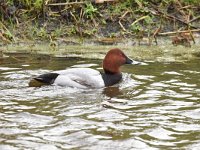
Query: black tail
47, 78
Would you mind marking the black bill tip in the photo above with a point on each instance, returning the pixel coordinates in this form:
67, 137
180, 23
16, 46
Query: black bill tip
128, 61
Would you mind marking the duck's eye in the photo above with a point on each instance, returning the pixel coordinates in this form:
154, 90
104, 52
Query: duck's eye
121, 54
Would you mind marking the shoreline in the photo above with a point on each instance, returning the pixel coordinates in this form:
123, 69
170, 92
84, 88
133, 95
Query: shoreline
164, 52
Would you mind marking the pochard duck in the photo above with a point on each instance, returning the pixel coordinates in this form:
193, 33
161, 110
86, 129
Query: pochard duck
87, 77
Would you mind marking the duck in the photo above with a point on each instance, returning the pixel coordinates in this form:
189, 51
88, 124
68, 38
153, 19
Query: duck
88, 77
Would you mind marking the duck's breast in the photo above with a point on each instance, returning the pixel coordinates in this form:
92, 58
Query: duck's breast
80, 78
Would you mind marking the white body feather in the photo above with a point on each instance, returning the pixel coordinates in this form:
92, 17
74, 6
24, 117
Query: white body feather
80, 78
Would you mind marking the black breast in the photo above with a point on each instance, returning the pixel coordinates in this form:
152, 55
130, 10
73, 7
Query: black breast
110, 79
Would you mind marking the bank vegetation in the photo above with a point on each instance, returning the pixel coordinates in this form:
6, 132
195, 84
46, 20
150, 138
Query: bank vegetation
56, 20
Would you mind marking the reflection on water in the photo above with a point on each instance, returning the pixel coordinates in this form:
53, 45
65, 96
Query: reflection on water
156, 106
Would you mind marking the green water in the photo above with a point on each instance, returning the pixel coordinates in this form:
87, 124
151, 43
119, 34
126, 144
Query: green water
156, 106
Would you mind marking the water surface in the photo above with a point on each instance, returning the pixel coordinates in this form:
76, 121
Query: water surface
156, 106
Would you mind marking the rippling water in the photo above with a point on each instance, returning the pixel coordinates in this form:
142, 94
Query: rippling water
156, 106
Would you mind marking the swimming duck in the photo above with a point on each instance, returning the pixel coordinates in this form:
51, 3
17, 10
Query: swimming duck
87, 77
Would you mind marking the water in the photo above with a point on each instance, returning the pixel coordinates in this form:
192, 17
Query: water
156, 106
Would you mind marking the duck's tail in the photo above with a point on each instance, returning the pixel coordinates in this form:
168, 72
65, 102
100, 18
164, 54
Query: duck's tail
44, 79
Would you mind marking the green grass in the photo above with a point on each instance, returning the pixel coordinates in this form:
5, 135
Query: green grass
194, 2
87, 19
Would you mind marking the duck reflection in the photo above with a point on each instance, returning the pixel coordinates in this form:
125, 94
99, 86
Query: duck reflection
112, 92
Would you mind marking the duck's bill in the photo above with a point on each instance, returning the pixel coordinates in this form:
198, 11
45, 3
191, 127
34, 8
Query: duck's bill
128, 61
134, 62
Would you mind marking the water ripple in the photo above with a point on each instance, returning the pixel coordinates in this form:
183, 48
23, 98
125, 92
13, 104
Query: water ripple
154, 107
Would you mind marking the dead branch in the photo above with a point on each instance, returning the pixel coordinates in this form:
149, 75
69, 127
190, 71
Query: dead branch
156, 32
175, 32
198, 17
141, 18
102, 1
192, 37
171, 17
120, 18
73, 17
70, 3
121, 25
124, 14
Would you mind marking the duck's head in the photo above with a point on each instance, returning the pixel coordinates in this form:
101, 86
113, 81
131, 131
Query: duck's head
114, 59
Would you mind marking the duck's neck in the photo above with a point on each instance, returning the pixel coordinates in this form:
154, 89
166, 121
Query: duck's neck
111, 78
113, 70
109, 72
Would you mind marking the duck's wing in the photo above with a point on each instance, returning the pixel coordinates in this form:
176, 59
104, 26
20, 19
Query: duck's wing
80, 78
78, 71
